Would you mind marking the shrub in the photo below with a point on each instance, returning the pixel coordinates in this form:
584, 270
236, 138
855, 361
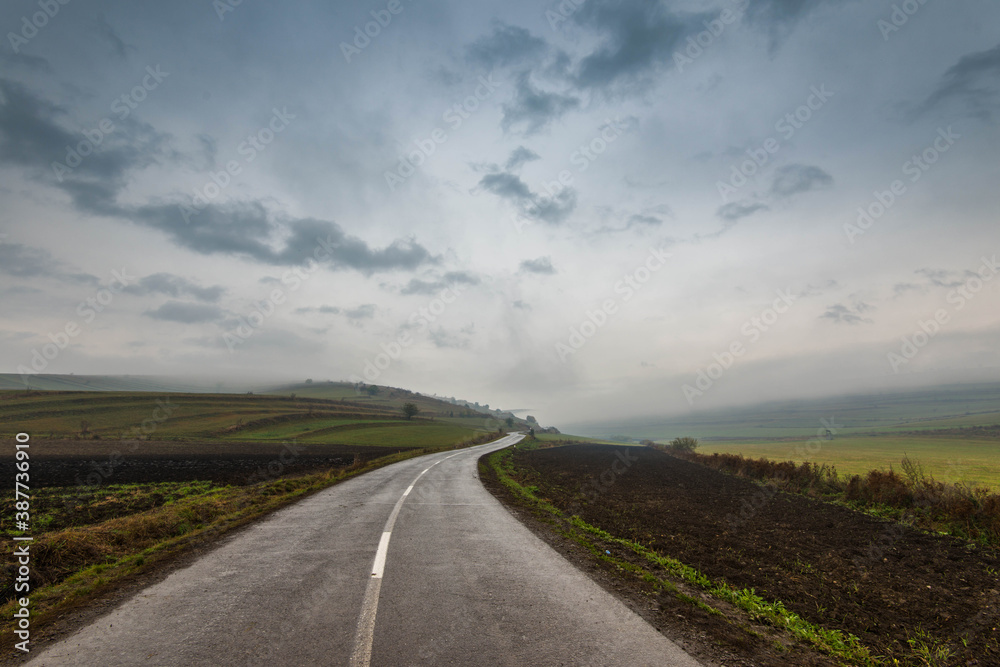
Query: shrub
684, 445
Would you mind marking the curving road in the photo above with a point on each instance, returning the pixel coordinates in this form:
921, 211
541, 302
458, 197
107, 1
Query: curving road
412, 564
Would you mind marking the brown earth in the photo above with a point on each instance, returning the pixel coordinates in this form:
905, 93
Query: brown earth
887, 584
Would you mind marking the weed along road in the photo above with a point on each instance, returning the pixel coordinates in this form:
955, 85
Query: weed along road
414, 563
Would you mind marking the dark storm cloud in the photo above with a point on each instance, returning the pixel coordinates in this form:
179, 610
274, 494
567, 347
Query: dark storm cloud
551, 209
428, 287
23, 261
186, 313
31, 137
973, 82
541, 265
520, 156
640, 36
794, 179
843, 314
175, 286
533, 109
506, 45
735, 211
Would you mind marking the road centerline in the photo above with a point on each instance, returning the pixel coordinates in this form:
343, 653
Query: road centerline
365, 636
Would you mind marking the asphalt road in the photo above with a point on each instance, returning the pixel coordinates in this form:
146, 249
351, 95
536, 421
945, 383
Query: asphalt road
412, 564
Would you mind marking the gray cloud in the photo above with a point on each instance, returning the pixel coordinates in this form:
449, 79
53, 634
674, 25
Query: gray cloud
432, 287
945, 278
246, 229
542, 265
24, 261
519, 156
175, 286
445, 339
365, 311
793, 179
853, 314
533, 109
186, 313
735, 211
30, 136
640, 36
973, 82
551, 209
506, 45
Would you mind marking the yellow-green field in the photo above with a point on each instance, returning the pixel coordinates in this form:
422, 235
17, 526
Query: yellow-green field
950, 459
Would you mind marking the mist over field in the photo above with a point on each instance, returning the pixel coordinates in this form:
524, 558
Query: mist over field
594, 210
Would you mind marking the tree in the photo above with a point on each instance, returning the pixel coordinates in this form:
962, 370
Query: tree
684, 445
531, 419
410, 410
372, 390
510, 421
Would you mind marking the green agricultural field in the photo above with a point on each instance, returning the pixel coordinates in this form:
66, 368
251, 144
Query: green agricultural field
950, 459
413, 434
110, 415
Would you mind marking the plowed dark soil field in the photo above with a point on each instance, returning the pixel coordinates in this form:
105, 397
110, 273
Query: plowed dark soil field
921, 598
90, 463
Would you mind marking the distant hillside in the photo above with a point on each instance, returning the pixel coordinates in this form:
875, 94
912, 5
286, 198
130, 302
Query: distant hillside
369, 397
940, 408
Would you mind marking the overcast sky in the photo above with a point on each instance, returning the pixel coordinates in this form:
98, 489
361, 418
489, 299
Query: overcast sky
576, 208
